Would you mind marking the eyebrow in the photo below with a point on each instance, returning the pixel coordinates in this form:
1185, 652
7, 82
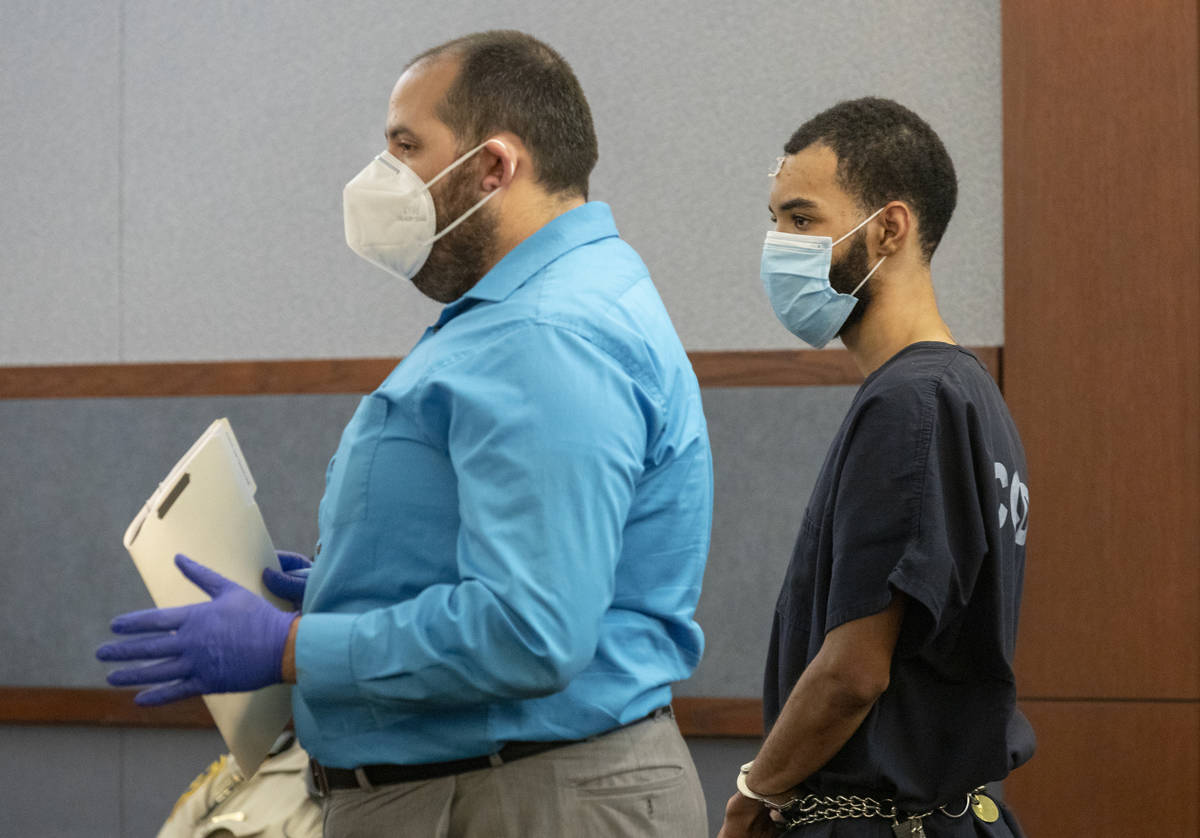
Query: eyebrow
394, 132
798, 203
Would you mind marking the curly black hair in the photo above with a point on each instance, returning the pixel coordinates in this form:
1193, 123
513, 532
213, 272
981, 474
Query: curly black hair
885, 152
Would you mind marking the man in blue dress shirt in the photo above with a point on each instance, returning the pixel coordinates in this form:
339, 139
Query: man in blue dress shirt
516, 521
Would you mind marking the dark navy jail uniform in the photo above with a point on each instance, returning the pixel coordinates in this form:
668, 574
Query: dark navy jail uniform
923, 491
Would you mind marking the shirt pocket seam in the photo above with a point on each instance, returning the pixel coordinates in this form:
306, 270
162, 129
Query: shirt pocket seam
356, 473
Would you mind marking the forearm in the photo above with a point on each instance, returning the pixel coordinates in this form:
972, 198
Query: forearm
451, 645
830, 700
819, 718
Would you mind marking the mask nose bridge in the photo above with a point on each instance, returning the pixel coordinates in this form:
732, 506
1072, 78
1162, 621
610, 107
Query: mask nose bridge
386, 158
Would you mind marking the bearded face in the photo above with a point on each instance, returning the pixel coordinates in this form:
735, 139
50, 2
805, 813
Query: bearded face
460, 258
846, 273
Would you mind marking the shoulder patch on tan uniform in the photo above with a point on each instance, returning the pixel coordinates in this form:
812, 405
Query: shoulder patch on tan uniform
198, 783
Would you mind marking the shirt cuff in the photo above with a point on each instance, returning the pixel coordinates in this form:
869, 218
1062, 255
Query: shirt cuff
323, 666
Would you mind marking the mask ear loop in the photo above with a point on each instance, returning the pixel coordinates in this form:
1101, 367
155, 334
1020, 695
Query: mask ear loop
478, 203
861, 224
454, 165
854, 293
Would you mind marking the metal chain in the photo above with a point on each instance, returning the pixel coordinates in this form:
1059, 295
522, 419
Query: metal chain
814, 809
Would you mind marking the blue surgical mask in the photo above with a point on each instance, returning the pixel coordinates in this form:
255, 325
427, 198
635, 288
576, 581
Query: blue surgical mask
795, 274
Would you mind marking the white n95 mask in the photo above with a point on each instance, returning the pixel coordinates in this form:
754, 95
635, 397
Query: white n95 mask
390, 220
795, 274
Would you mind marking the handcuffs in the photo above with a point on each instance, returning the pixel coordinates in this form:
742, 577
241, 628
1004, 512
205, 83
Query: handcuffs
799, 811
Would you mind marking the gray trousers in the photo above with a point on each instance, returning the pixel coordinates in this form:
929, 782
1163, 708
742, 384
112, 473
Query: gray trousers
638, 781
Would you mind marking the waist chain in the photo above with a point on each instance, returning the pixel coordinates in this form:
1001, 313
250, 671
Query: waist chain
813, 808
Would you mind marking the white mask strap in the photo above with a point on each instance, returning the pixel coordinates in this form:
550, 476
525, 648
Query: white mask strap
478, 203
464, 216
854, 293
856, 229
455, 164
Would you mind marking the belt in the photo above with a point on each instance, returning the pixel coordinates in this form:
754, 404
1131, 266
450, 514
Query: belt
367, 777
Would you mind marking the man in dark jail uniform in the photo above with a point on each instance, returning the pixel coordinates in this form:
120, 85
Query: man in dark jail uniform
889, 694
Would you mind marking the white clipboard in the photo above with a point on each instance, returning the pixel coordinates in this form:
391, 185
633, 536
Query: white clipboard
205, 509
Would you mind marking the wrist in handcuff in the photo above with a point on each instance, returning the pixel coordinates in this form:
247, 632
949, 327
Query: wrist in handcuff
778, 802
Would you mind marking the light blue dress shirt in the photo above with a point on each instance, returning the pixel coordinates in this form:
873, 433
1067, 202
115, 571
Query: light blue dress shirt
515, 524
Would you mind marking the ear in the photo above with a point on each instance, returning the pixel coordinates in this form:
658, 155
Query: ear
502, 155
896, 226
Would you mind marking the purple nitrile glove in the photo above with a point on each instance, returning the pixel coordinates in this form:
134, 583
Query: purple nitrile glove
288, 584
234, 643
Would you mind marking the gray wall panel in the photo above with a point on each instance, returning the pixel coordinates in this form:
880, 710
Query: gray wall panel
245, 121
693, 108
178, 198
80, 782
717, 763
241, 123
60, 110
74, 472
61, 782
768, 446
156, 767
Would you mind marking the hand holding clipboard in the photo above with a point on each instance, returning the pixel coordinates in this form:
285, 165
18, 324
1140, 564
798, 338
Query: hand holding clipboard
205, 510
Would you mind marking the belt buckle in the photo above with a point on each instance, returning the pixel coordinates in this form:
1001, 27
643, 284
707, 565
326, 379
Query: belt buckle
364, 782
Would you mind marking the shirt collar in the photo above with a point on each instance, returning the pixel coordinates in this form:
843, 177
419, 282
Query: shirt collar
576, 227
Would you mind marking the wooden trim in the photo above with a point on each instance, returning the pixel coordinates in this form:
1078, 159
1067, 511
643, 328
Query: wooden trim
91, 707
797, 368
719, 717
217, 378
783, 368
698, 717
777, 368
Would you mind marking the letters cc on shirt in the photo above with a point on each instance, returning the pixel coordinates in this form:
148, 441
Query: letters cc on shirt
1017, 508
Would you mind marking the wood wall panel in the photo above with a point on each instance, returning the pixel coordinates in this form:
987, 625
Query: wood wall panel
784, 368
95, 708
1102, 372
1109, 769
697, 717
216, 378
1102, 344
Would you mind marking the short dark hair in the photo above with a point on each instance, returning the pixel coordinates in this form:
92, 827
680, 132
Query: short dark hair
511, 81
885, 152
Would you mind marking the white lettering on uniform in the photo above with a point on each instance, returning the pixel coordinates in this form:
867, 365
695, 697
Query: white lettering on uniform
1017, 508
